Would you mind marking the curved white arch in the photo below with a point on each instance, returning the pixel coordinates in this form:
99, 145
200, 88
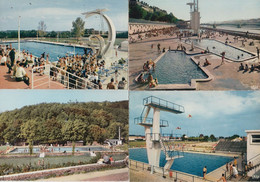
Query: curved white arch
101, 42
111, 29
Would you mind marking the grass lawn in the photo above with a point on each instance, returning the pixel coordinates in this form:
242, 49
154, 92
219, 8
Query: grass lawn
51, 160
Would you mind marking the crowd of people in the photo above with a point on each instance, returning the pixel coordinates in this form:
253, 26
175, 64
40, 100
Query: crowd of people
15, 65
74, 71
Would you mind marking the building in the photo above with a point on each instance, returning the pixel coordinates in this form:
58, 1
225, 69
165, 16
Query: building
253, 151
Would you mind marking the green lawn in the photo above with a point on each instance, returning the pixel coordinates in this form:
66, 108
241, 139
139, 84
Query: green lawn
13, 165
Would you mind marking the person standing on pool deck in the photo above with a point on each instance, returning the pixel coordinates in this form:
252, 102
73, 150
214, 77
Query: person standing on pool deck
204, 172
12, 56
257, 50
227, 166
235, 161
223, 56
222, 178
230, 168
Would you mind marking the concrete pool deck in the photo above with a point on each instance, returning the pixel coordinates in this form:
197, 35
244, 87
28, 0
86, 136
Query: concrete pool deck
226, 76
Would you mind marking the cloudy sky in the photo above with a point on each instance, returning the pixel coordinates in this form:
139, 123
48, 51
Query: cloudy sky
212, 10
13, 99
219, 113
59, 14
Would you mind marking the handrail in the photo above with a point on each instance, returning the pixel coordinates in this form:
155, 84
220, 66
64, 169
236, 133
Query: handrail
149, 120
258, 155
131, 161
69, 78
163, 102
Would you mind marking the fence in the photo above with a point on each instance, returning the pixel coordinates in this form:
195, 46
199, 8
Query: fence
175, 175
69, 80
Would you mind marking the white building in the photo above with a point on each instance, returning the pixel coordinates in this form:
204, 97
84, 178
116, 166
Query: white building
253, 149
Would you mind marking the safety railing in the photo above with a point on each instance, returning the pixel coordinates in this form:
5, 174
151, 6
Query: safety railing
60, 76
171, 174
163, 103
149, 121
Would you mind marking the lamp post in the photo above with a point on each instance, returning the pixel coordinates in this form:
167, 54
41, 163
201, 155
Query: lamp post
19, 34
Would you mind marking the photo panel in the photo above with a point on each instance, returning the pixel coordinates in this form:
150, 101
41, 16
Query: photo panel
194, 45
194, 135
65, 135
79, 44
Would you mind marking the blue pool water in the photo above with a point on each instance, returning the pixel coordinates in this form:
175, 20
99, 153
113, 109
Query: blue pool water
54, 51
176, 67
191, 163
231, 52
58, 149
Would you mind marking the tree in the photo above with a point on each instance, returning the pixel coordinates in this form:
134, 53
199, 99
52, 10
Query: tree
212, 138
78, 28
96, 134
41, 28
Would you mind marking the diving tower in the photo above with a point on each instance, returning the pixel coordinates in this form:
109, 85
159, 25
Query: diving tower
105, 49
155, 140
194, 16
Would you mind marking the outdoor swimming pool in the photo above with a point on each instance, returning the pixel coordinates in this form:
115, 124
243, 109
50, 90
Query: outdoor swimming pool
231, 52
59, 149
54, 51
191, 163
176, 67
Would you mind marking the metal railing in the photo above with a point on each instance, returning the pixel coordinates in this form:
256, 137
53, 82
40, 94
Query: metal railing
139, 120
173, 175
69, 80
163, 103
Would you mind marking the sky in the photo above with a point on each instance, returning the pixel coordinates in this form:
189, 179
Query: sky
59, 14
222, 113
211, 10
15, 99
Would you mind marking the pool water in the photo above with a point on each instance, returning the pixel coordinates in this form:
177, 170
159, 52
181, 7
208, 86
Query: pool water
58, 149
231, 52
176, 67
191, 163
54, 51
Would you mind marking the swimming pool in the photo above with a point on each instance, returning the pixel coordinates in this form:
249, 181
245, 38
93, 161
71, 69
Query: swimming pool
218, 47
175, 67
59, 149
191, 163
53, 50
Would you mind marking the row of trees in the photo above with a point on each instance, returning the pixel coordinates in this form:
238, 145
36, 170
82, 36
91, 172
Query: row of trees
136, 11
77, 31
58, 123
208, 138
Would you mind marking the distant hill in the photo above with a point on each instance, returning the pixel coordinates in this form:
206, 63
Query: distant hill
250, 22
141, 10
61, 122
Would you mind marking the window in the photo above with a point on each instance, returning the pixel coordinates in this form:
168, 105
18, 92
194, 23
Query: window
256, 139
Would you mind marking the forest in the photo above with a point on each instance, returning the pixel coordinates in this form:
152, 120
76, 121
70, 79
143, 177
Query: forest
57, 123
137, 12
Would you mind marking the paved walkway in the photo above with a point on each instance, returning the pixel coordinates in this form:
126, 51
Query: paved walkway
108, 175
226, 76
6, 82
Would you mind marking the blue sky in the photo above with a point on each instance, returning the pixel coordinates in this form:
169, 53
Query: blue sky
215, 112
59, 14
212, 10
12, 99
